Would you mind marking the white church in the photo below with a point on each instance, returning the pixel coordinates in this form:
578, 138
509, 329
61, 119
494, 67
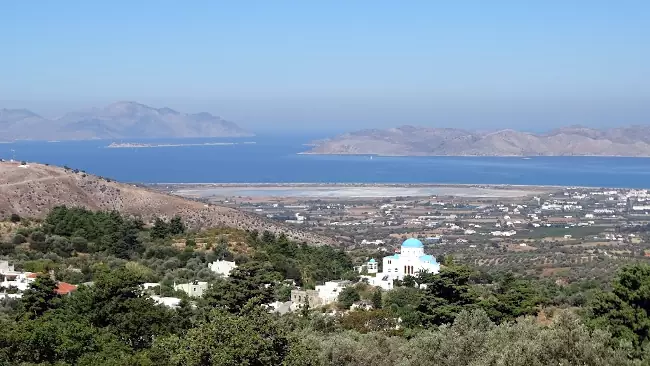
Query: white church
408, 262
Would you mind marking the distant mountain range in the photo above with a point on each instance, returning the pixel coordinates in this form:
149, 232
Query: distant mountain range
421, 141
118, 120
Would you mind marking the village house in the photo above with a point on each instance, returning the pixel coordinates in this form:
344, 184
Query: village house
329, 292
222, 268
300, 298
170, 302
193, 289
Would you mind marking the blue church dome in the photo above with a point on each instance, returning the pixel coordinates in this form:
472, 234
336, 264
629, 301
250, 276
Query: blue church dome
412, 243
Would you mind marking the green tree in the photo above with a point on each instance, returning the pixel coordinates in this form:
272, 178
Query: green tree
7, 248
283, 292
403, 302
252, 282
348, 296
19, 239
176, 226
376, 299
513, 298
160, 229
116, 302
14, 218
190, 243
37, 236
369, 321
227, 339
446, 294
126, 242
305, 309
624, 311
79, 244
40, 297
59, 245
474, 339
408, 281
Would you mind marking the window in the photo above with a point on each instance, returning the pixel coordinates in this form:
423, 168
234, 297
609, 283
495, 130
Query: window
389, 261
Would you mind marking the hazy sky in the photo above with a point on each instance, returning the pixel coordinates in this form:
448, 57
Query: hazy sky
336, 64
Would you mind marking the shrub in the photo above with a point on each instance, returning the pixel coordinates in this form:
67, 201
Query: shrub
19, 239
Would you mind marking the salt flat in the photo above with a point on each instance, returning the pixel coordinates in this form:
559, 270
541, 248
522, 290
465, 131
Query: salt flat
373, 191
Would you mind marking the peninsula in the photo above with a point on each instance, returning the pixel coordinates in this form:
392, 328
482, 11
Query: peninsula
631, 141
137, 145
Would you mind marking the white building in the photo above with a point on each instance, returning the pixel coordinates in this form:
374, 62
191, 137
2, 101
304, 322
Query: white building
170, 302
503, 233
193, 289
409, 262
10, 278
552, 207
372, 266
372, 242
148, 285
329, 292
222, 267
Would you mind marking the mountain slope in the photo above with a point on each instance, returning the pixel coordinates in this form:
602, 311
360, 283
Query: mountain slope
417, 141
118, 120
33, 190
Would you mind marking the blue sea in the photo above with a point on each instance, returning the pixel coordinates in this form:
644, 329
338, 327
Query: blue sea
276, 160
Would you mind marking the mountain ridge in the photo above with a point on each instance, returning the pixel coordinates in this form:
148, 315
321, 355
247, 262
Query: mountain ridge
122, 119
409, 140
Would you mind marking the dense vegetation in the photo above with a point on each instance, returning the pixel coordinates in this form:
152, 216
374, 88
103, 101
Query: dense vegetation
76, 243
457, 317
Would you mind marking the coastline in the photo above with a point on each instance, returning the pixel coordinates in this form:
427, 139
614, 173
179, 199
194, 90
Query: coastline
360, 184
144, 146
471, 156
359, 190
356, 191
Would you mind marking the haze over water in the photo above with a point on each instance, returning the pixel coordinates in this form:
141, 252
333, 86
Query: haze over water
276, 160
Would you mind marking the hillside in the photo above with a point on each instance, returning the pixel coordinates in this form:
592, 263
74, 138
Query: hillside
420, 141
33, 190
118, 120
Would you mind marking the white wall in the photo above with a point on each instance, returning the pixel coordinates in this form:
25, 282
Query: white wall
222, 267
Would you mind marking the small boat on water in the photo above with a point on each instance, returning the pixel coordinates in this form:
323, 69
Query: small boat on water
526, 158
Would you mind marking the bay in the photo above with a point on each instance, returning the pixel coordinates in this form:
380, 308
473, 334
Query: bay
274, 159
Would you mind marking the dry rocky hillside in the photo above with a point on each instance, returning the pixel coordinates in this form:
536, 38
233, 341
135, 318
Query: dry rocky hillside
32, 190
422, 141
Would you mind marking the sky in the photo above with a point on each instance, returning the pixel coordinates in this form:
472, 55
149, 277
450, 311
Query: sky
338, 64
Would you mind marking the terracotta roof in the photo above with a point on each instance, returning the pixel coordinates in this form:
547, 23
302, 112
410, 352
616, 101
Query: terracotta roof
64, 288
33, 275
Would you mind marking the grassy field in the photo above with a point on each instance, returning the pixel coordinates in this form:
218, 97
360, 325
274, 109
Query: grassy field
559, 232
